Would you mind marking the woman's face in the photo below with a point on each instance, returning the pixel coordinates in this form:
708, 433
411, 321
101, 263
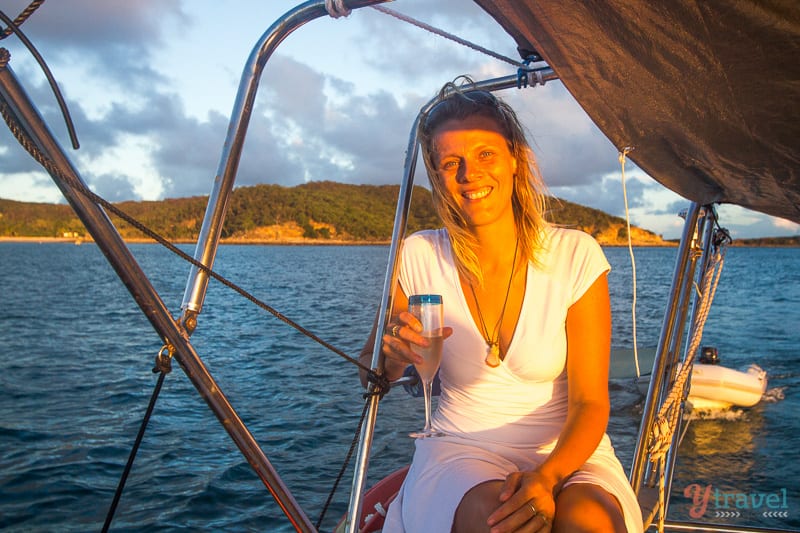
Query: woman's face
476, 168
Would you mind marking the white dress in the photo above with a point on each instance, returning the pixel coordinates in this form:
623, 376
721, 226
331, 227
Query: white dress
508, 418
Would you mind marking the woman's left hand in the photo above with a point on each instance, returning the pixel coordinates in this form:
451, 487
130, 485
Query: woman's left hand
527, 504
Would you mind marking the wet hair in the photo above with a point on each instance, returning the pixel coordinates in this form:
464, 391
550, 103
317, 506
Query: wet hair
529, 191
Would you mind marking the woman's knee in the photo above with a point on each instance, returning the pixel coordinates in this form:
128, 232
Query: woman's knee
583, 507
476, 506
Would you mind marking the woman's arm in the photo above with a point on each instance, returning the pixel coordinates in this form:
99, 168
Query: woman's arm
588, 353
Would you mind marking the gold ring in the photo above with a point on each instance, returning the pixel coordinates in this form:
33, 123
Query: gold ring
533, 509
395, 329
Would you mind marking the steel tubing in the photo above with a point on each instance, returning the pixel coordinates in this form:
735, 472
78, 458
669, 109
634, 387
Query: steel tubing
130, 273
662, 358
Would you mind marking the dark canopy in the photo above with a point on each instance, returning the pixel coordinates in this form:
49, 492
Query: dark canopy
707, 92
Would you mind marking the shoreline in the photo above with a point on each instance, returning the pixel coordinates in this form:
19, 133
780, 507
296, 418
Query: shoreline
287, 242
331, 242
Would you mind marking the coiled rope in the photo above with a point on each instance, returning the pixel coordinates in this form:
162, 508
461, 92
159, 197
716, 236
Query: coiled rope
666, 421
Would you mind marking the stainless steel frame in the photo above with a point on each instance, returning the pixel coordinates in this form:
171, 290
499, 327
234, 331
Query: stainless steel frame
211, 229
111, 244
694, 248
694, 256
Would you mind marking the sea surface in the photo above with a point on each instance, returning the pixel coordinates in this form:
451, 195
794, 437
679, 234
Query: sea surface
75, 374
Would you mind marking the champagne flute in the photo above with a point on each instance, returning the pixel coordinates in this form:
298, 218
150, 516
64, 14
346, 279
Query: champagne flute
429, 311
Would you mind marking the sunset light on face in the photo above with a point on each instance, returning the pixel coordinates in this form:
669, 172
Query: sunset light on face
477, 168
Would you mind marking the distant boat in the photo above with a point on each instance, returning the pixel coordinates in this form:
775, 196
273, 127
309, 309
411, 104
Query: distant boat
716, 387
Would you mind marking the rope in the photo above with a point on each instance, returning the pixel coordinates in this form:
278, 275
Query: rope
380, 384
21, 18
380, 381
442, 33
622, 157
13, 27
667, 419
348, 457
136, 443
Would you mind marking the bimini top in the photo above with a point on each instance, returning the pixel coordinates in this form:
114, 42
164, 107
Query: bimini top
707, 92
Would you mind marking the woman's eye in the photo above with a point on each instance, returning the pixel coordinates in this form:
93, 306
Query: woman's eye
449, 165
486, 154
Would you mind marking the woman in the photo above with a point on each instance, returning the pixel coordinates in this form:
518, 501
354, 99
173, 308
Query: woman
524, 402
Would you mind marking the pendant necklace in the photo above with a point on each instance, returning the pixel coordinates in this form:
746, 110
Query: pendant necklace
493, 341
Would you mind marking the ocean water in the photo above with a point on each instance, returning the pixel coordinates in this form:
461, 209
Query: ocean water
77, 354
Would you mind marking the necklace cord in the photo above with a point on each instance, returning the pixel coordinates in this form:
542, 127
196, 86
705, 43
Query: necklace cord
490, 341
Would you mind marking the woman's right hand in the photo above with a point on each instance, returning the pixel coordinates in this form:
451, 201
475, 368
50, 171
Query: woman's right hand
403, 331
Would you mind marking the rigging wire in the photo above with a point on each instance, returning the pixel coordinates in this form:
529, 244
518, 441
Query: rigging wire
348, 457
379, 380
163, 366
13, 27
21, 18
446, 35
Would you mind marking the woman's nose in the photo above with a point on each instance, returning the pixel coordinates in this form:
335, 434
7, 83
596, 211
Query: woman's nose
469, 171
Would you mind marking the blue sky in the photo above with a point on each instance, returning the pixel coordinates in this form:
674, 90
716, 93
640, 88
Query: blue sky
151, 85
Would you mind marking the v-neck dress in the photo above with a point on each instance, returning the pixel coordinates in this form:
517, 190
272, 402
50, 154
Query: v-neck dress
508, 418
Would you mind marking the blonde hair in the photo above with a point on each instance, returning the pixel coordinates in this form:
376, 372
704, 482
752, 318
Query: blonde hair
529, 191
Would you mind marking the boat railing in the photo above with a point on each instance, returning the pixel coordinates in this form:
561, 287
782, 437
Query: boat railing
693, 257
32, 131
652, 472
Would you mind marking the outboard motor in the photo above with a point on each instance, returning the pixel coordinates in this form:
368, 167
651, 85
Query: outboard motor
709, 356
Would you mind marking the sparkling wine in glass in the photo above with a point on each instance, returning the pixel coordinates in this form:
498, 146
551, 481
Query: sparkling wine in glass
429, 311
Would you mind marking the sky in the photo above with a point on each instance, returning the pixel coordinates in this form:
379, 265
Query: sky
151, 85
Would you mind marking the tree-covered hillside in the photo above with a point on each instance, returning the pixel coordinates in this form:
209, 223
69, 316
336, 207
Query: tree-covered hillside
318, 210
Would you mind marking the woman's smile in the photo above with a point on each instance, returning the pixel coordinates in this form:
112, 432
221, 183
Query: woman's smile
477, 194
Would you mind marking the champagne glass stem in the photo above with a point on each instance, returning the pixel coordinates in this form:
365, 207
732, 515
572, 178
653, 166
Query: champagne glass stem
427, 386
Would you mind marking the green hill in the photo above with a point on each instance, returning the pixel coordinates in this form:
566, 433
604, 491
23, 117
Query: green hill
313, 212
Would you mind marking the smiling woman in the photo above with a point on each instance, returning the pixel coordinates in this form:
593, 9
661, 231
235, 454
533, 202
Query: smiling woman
524, 371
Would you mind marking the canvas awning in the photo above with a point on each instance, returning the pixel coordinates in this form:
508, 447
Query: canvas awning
707, 92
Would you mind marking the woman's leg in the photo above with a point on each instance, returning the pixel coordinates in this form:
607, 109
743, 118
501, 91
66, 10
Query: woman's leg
583, 507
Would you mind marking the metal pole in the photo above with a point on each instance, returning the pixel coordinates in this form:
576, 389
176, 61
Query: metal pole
111, 244
705, 232
211, 229
662, 352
